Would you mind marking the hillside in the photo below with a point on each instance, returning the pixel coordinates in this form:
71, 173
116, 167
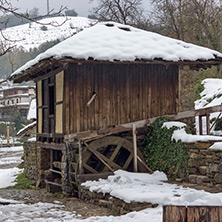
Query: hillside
32, 35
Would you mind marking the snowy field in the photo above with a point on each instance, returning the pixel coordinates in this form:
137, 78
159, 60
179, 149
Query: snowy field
30, 35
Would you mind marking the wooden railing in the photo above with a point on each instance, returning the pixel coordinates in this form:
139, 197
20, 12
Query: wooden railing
206, 112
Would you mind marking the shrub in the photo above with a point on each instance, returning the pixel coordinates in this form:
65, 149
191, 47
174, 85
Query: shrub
44, 28
163, 154
199, 88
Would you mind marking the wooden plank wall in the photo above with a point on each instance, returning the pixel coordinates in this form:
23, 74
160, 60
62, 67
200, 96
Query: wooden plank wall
125, 93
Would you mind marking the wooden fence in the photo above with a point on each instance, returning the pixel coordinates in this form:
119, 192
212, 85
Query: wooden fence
192, 214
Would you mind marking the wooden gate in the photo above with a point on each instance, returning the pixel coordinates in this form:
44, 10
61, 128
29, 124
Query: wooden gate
192, 214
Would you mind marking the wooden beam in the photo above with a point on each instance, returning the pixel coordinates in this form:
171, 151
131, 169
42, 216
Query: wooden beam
98, 156
124, 127
204, 111
200, 125
135, 166
85, 177
53, 146
144, 164
208, 123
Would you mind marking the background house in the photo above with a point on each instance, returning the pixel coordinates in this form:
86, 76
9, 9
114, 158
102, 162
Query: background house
15, 98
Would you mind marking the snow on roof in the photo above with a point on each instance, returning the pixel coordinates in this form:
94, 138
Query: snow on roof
110, 41
32, 110
26, 127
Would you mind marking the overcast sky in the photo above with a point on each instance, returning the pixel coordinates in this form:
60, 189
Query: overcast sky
82, 7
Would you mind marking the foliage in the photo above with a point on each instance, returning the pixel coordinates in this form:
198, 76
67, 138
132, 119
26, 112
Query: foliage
18, 121
218, 125
161, 153
44, 28
199, 88
71, 12
22, 183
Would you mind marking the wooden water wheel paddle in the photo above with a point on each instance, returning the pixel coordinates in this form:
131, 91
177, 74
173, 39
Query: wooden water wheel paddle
108, 154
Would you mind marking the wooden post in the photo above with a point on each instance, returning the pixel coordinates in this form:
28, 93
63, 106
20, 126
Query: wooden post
208, 123
8, 135
80, 158
135, 168
200, 126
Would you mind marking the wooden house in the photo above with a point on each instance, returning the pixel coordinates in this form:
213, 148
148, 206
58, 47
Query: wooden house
102, 81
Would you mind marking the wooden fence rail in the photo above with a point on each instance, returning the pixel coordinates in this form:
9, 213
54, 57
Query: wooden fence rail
192, 213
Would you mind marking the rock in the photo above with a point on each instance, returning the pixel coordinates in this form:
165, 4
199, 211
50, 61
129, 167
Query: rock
201, 179
213, 168
192, 178
203, 170
218, 178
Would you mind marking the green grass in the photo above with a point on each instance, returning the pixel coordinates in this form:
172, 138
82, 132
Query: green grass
22, 183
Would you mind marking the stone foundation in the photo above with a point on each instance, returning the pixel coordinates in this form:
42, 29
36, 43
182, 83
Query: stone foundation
30, 160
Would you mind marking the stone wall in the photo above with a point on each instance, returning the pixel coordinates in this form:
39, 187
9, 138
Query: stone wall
205, 165
186, 88
43, 164
30, 160
115, 204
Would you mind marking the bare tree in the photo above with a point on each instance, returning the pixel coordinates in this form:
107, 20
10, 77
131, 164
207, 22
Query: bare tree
198, 21
6, 7
122, 11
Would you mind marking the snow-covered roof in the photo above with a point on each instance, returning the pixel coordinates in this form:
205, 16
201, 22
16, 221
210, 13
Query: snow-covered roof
109, 41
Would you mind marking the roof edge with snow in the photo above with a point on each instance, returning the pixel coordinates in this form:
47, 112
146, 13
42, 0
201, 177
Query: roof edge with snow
111, 42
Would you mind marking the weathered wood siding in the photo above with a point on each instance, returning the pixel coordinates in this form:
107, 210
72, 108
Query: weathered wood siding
125, 93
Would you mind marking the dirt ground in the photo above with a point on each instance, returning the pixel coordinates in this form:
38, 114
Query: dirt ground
70, 204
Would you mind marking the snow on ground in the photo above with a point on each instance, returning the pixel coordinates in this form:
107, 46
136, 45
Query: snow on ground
143, 187
39, 212
9, 155
31, 35
7, 176
216, 146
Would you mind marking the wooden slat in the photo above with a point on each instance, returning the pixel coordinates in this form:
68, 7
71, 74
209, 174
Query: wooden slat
174, 214
52, 183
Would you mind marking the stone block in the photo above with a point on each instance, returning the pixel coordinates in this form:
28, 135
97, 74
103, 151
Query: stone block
202, 179
203, 145
213, 168
193, 170
192, 178
218, 178
194, 155
203, 170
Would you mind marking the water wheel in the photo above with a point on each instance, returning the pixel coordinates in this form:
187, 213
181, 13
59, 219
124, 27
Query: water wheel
109, 154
